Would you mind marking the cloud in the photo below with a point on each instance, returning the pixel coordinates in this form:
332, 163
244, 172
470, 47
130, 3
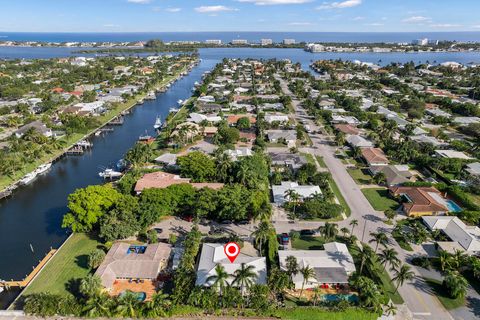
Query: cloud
300, 24
339, 5
173, 9
476, 26
275, 2
358, 18
416, 19
375, 24
111, 25
210, 9
445, 25
140, 1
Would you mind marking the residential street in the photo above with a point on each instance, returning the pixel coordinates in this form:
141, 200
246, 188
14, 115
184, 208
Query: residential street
417, 294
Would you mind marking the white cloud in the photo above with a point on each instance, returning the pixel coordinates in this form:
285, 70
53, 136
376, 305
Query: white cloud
111, 25
416, 19
476, 26
339, 5
173, 9
300, 24
358, 18
210, 9
445, 25
375, 24
275, 2
140, 1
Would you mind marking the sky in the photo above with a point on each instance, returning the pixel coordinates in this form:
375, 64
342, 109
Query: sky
239, 15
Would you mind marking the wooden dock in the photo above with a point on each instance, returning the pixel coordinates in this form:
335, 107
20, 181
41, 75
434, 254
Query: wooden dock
23, 283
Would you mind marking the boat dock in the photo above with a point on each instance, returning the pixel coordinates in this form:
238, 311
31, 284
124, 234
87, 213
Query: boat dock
77, 150
5, 194
23, 283
118, 121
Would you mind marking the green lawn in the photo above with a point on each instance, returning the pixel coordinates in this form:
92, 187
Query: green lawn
443, 296
68, 265
309, 158
360, 176
312, 313
379, 199
321, 162
308, 243
340, 197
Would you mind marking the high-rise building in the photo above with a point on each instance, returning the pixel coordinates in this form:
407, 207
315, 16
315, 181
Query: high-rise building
213, 41
239, 41
288, 41
266, 42
420, 42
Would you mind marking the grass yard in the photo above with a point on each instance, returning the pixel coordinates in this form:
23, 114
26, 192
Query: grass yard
379, 199
68, 265
360, 176
312, 313
308, 243
443, 296
339, 196
321, 162
309, 158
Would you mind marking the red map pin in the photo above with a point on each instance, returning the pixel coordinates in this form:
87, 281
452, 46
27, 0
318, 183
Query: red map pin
232, 250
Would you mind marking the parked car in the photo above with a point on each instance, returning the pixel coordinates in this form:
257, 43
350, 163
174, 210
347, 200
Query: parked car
226, 222
243, 222
307, 232
284, 239
158, 230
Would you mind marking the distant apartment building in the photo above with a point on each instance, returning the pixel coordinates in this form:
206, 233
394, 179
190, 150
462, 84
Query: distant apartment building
239, 41
213, 41
420, 42
266, 42
288, 41
314, 47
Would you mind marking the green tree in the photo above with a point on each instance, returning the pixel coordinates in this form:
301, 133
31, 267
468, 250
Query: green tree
244, 277
389, 256
197, 166
243, 123
402, 274
128, 305
220, 279
261, 234
291, 265
307, 273
90, 286
353, 224
122, 221
95, 258
455, 284
378, 238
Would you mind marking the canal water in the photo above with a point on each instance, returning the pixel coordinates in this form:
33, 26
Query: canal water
32, 217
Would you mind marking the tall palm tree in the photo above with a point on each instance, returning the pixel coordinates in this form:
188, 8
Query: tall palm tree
98, 306
456, 284
444, 259
344, 231
219, 279
291, 265
378, 238
353, 223
261, 234
293, 197
157, 306
128, 305
307, 273
475, 266
244, 277
390, 309
224, 167
329, 230
389, 256
365, 253
402, 274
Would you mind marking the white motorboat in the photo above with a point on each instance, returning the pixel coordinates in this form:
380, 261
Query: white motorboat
158, 123
43, 168
180, 102
174, 110
151, 95
109, 174
84, 144
29, 177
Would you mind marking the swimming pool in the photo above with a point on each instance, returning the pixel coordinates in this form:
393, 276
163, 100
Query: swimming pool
337, 297
452, 206
141, 296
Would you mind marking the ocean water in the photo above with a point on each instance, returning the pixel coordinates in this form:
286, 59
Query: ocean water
250, 36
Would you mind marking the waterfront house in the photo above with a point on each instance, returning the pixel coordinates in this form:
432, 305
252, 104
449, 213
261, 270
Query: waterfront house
133, 267
420, 201
213, 254
38, 126
162, 180
463, 238
305, 191
332, 266
167, 159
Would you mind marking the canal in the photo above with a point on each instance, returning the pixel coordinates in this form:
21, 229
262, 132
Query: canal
31, 219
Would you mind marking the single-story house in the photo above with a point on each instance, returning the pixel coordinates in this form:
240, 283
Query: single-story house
35, 125
125, 261
466, 120
452, 154
213, 254
331, 266
270, 118
347, 129
168, 159
473, 169
238, 153
198, 118
464, 238
290, 136
424, 139
162, 180
345, 119
279, 191
394, 175
374, 156
358, 141
292, 160
420, 201
233, 119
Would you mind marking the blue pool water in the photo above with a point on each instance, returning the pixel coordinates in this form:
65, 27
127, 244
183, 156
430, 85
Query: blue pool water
141, 296
337, 297
453, 207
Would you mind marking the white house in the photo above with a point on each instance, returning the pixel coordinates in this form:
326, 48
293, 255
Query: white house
276, 118
464, 238
198, 118
213, 254
279, 191
206, 99
290, 136
358, 141
452, 154
238, 153
331, 266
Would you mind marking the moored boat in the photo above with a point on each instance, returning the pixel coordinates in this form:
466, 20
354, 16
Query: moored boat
29, 177
109, 174
158, 123
43, 168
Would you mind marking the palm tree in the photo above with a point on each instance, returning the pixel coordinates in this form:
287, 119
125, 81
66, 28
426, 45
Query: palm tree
224, 167
365, 253
128, 305
402, 274
444, 259
291, 265
316, 295
390, 309
261, 234
219, 279
307, 273
293, 197
456, 284
244, 277
157, 306
98, 306
379, 238
457, 259
353, 223
475, 266
329, 230
344, 231
389, 256
90, 286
